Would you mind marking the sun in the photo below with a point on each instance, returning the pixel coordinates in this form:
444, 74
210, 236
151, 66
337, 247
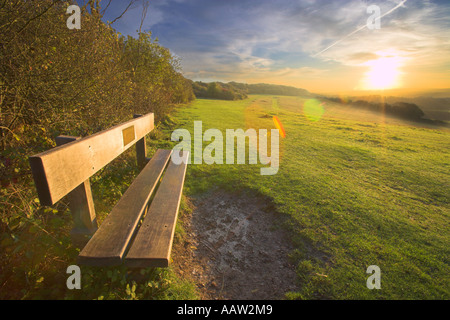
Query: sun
383, 73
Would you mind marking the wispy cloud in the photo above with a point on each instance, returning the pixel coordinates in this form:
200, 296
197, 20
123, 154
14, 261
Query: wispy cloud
230, 40
361, 28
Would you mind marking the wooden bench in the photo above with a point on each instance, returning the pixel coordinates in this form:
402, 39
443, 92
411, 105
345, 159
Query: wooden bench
139, 230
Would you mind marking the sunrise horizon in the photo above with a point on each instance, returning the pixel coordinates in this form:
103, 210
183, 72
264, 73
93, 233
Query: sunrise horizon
319, 46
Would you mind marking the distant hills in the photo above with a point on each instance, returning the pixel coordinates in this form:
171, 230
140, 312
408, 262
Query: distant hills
407, 93
238, 91
427, 105
434, 108
399, 107
434, 103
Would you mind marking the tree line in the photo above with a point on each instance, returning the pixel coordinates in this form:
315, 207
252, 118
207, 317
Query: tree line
239, 91
399, 109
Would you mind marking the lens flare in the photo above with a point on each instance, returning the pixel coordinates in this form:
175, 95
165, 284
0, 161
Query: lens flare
279, 126
313, 109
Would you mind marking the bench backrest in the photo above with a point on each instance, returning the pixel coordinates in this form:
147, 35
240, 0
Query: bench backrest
58, 171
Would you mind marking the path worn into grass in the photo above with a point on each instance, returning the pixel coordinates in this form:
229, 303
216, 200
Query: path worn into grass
235, 249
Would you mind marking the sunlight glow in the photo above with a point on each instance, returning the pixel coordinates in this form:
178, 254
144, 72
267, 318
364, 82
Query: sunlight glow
383, 74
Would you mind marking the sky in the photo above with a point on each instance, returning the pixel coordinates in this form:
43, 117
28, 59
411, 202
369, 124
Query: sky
318, 45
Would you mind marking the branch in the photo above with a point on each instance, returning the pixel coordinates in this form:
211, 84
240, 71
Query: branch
126, 9
107, 6
144, 14
39, 15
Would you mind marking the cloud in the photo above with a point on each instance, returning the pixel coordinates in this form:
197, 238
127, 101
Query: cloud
360, 57
417, 31
246, 39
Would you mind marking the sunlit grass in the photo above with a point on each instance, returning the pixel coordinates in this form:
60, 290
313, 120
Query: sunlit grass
359, 189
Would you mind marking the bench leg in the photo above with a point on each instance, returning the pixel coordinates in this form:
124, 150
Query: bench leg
141, 150
82, 208
81, 205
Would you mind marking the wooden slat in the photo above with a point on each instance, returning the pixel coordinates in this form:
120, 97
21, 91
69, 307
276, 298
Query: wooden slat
60, 170
153, 243
109, 243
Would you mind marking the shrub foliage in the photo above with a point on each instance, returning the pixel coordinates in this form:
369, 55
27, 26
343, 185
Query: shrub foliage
54, 81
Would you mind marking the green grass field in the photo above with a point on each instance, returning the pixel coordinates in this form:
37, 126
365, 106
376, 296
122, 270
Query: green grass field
358, 189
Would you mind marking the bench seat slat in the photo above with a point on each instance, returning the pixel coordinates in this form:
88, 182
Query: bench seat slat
153, 243
109, 243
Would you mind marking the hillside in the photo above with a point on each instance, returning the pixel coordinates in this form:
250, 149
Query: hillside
355, 188
239, 91
435, 112
434, 107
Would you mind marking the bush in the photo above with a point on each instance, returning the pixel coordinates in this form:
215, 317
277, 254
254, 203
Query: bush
58, 81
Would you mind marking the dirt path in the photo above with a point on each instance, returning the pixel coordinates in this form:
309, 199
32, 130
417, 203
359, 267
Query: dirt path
234, 249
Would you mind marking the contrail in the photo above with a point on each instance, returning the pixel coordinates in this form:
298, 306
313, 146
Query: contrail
361, 28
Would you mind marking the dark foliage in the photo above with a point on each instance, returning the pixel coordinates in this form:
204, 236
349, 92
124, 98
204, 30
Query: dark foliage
53, 81
399, 109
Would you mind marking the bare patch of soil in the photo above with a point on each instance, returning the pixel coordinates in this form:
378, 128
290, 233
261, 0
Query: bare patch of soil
234, 249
